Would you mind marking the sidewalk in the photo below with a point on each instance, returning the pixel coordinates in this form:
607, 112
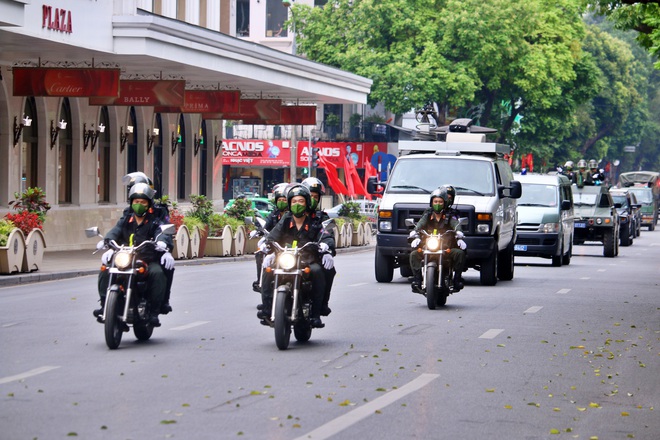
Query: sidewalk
71, 264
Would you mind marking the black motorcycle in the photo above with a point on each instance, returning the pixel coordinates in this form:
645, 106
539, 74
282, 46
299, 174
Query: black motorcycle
126, 302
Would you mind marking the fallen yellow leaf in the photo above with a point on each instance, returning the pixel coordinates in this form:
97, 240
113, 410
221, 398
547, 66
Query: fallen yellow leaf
508, 407
624, 414
594, 405
490, 390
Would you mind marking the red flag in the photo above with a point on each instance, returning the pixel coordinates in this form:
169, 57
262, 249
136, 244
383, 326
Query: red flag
355, 177
369, 171
530, 162
347, 178
333, 178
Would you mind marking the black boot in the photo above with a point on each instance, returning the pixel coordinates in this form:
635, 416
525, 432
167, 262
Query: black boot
458, 282
256, 287
417, 281
153, 319
165, 308
98, 313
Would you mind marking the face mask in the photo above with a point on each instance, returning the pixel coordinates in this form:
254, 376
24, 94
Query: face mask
281, 205
314, 203
139, 209
298, 210
438, 208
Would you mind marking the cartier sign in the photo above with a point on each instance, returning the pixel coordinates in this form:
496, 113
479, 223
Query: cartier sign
39, 81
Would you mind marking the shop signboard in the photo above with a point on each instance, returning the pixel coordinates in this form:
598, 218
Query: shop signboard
256, 152
334, 152
146, 93
74, 82
205, 101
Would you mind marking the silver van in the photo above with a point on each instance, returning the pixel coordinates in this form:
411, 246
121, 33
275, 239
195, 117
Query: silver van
545, 218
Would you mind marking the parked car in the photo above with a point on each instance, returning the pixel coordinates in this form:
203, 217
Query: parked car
596, 218
645, 198
545, 218
263, 205
368, 208
629, 215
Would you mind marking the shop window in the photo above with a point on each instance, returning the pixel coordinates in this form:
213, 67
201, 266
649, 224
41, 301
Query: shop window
65, 155
103, 152
181, 151
203, 158
243, 18
158, 158
276, 16
131, 144
30, 148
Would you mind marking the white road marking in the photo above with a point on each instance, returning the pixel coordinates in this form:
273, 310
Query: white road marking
601, 270
563, 291
362, 412
357, 284
533, 309
490, 334
9, 324
585, 278
191, 325
27, 374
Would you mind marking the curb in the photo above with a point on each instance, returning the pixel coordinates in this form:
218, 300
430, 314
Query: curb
36, 277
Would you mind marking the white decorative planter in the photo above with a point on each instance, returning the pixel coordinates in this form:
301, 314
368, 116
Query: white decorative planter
368, 233
195, 243
11, 256
348, 234
358, 235
220, 246
252, 245
239, 242
181, 243
35, 244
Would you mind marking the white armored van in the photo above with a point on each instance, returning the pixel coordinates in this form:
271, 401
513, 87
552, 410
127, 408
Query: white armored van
486, 195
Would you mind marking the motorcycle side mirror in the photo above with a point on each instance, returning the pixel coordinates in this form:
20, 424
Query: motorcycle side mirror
329, 225
256, 221
167, 229
410, 222
93, 232
463, 221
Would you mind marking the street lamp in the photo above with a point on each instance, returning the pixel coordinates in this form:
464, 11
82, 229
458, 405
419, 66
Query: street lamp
287, 4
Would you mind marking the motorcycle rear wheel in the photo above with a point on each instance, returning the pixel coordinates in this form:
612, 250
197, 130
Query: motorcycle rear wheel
114, 328
430, 287
282, 322
143, 331
302, 330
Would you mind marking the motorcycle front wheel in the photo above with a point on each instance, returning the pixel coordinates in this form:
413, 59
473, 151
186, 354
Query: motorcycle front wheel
430, 286
282, 323
114, 306
302, 329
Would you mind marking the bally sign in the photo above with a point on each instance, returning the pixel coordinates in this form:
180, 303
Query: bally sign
146, 93
39, 81
255, 152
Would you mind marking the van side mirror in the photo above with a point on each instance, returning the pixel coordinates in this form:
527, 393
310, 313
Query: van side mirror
515, 190
565, 205
373, 186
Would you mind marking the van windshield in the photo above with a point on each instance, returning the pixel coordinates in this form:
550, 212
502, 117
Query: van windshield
644, 195
423, 175
538, 195
584, 199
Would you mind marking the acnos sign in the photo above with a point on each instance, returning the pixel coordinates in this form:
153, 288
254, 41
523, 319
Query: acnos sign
242, 148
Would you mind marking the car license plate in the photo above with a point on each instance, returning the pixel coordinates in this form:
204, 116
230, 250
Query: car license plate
520, 247
580, 225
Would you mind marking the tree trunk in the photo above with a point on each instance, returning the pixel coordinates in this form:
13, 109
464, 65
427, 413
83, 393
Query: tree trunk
591, 141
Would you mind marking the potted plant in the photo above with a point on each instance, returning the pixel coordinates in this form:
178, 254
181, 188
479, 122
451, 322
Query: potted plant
182, 237
221, 236
199, 216
331, 125
354, 122
239, 210
12, 247
32, 207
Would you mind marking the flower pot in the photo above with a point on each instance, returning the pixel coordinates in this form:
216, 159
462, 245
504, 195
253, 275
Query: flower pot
358, 235
203, 235
368, 233
240, 239
35, 244
181, 243
252, 245
11, 256
220, 246
195, 241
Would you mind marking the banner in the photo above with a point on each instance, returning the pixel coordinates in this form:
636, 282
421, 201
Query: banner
41, 81
146, 93
289, 115
256, 152
205, 101
335, 151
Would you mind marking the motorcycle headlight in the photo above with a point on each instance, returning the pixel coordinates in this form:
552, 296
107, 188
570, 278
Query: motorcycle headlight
286, 261
122, 260
433, 244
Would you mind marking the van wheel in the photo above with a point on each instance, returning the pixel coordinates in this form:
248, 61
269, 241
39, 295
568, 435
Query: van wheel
505, 263
609, 244
624, 233
566, 259
384, 267
488, 271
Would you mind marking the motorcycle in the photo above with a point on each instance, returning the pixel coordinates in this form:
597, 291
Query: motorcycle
126, 301
292, 299
437, 270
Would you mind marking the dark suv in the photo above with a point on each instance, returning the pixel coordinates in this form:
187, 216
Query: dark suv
596, 218
629, 215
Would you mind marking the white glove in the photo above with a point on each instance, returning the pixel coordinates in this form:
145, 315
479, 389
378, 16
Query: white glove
100, 245
324, 248
263, 247
167, 260
413, 234
461, 244
161, 246
328, 261
107, 256
269, 260
459, 234
415, 243
254, 233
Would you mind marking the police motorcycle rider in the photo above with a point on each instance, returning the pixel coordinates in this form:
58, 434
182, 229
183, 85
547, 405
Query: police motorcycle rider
162, 211
440, 217
281, 206
568, 171
141, 225
597, 175
299, 226
317, 189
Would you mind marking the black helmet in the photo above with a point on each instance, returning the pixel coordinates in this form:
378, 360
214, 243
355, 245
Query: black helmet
131, 179
141, 191
451, 191
299, 190
279, 191
442, 193
314, 185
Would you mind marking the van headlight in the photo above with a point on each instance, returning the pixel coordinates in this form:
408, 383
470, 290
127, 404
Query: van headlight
550, 228
385, 225
433, 244
122, 260
286, 261
483, 229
